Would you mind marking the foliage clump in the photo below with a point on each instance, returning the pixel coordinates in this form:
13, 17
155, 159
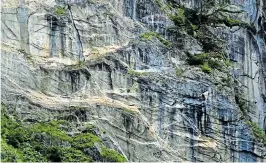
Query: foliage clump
9, 153
179, 18
51, 130
85, 140
207, 15
46, 141
60, 10
194, 22
241, 101
110, 155
63, 154
227, 80
258, 132
207, 61
150, 35
206, 68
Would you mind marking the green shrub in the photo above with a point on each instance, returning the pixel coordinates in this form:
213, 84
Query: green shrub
85, 140
194, 27
210, 43
228, 63
9, 153
215, 64
51, 129
258, 132
199, 59
7, 124
242, 103
205, 68
207, 61
12, 132
186, 19
149, 35
164, 41
59, 154
89, 128
29, 154
17, 136
179, 18
47, 142
60, 10
110, 155
73, 155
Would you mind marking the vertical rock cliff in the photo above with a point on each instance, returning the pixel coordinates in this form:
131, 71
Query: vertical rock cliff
133, 80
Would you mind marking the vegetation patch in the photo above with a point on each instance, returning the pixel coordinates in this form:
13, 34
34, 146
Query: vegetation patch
227, 81
9, 153
130, 111
258, 132
207, 61
85, 140
59, 154
48, 141
194, 22
60, 10
179, 18
206, 68
111, 156
210, 43
179, 72
242, 101
185, 17
51, 130
136, 73
150, 35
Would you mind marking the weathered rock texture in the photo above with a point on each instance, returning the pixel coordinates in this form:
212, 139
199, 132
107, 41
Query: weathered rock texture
85, 59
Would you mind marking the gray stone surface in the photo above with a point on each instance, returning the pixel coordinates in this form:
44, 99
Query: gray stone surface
89, 65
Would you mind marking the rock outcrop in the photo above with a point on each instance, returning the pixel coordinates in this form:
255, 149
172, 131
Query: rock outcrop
122, 65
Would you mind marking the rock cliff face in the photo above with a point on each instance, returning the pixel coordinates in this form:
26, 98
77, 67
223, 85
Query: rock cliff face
123, 66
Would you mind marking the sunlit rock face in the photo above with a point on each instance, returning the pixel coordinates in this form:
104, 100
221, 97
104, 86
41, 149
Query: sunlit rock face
86, 59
